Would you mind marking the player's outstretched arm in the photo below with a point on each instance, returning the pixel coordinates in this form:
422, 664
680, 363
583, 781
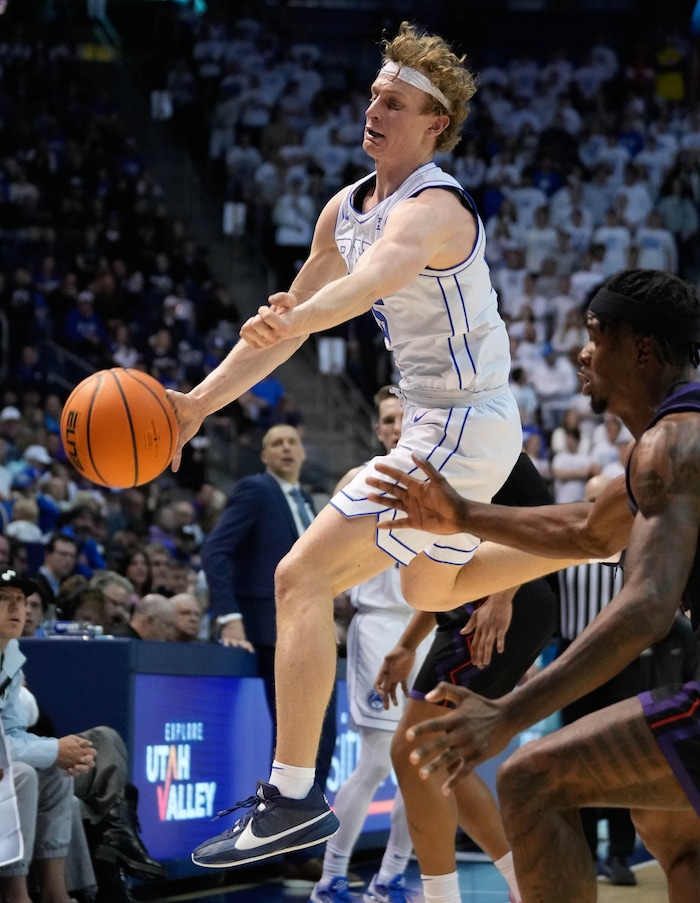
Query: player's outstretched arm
579, 531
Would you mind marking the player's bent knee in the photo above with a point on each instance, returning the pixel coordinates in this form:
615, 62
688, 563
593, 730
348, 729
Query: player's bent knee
522, 781
293, 579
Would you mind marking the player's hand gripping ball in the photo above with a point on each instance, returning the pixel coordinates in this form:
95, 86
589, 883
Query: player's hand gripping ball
118, 428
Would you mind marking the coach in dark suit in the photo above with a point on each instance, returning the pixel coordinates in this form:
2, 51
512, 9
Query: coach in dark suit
264, 516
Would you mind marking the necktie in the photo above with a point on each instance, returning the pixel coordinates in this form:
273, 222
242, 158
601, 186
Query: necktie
301, 506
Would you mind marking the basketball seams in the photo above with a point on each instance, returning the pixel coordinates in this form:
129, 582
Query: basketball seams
88, 430
134, 447
169, 415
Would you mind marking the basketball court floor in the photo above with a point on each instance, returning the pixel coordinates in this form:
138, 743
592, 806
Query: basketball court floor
479, 882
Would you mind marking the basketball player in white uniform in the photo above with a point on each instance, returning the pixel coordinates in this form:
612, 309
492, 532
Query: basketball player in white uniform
406, 243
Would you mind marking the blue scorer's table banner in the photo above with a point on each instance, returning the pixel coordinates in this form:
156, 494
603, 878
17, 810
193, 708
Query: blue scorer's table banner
200, 745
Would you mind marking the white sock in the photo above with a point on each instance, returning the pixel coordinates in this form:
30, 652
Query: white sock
441, 888
398, 848
291, 780
506, 867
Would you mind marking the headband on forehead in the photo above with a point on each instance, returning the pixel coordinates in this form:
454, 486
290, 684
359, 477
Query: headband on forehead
415, 78
678, 327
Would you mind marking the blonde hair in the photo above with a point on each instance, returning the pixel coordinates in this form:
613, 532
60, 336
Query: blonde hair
431, 55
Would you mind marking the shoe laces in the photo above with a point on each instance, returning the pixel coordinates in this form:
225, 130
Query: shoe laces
252, 804
338, 891
396, 892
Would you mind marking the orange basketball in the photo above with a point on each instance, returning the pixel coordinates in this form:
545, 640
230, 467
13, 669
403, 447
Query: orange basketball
118, 428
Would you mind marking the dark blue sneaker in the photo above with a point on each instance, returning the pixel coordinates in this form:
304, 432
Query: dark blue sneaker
273, 824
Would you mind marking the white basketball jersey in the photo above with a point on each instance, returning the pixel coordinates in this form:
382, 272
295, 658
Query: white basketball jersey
382, 616
381, 593
448, 339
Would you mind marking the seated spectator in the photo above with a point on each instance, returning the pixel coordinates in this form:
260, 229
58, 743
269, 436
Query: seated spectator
24, 518
639, 196
153, 618
35, 614
539, 239
555, 381
107, 806
84, 605
117, 593
572, 418
527, 338
183, 578
188, 620
616, 237
33, 463
654, 246
262, 400
563, 302
680, 213
41, 766
186, 551
294, 215
535, 447
53, 499
60, 561
509, 281
136, 567
571, 469
570, 335
84, 332
548, 279
162, 531
123, 352
81, 522
568, 250
10, 422
525, 395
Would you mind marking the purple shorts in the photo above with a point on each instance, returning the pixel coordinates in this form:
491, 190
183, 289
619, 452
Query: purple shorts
673, 715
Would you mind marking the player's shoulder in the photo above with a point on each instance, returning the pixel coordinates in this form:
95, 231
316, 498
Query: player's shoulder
674, 440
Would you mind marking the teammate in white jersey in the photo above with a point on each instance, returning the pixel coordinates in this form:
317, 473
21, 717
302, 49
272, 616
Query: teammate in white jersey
406, 243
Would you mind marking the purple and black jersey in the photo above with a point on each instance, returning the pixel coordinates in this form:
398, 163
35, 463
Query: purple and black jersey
673, 712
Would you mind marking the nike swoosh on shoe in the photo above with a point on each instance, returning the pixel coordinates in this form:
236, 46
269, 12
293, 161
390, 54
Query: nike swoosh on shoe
247, 840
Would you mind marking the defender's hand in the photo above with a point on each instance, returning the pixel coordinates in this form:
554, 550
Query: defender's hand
431, 504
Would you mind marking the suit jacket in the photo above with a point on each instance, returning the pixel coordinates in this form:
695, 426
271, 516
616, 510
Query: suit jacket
239, 556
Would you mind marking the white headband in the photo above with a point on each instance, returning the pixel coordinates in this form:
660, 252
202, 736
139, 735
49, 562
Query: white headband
415, 78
